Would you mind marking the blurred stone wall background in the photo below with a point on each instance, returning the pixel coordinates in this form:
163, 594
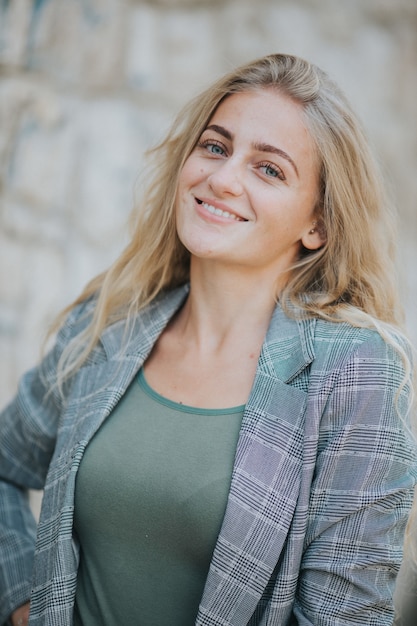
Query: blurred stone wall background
87, 85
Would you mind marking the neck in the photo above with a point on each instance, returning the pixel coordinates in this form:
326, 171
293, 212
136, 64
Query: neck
227, 306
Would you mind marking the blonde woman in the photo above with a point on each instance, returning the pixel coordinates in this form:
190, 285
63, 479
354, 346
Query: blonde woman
221, 427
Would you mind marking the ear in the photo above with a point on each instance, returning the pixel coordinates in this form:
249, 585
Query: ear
315, 237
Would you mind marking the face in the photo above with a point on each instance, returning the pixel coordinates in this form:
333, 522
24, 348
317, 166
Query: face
247, 193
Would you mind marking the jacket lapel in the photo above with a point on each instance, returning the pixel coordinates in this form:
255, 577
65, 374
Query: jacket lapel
100, 386
95, 390
266, 478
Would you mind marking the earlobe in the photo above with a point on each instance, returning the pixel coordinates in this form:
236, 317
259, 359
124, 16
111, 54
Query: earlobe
315, 238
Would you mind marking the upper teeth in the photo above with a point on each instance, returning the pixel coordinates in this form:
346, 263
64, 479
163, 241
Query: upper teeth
212, 209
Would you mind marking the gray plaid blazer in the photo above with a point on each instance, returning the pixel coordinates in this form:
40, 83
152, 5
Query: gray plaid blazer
320, 493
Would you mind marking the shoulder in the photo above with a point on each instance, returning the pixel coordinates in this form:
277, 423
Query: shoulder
295, 342
368, 366
76, 319
318, 337
124, 335
340, 342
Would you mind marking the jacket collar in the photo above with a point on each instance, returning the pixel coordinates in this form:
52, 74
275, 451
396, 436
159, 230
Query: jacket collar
287, 349
288, 346
139, 339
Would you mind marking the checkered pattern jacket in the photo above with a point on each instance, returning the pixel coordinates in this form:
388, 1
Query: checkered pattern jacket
320, 493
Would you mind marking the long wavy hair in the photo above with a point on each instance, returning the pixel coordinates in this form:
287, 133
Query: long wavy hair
350, 278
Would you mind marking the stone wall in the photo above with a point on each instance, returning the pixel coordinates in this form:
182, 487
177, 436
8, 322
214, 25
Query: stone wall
86, 86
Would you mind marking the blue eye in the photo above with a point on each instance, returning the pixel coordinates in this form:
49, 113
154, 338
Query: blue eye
272, 171
214, 147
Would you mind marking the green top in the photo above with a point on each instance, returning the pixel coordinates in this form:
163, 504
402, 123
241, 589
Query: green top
150, 497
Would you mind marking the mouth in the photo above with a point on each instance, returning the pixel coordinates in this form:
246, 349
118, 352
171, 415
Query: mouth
217, 211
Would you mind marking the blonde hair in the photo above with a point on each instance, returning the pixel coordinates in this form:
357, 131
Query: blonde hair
350, 278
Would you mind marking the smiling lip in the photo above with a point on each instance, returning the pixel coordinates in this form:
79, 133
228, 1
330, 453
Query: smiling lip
216, 210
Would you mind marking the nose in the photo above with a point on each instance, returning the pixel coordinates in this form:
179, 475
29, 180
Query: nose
227, 178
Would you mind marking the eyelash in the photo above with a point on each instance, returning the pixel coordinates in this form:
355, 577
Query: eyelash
278, 173
212, 142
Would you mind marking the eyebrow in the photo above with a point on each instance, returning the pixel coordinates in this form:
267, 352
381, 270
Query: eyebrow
261, 147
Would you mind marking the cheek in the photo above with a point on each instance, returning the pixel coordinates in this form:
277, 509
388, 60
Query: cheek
188, 170
192, 173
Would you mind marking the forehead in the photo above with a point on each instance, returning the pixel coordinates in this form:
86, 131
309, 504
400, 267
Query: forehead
262, 97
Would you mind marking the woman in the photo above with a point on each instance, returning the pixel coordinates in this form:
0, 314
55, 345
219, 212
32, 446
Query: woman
221, 427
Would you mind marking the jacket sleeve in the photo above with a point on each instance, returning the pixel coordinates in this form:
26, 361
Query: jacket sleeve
28, 427
361, 493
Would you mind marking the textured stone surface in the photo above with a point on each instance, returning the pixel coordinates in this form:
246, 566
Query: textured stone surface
87, 85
